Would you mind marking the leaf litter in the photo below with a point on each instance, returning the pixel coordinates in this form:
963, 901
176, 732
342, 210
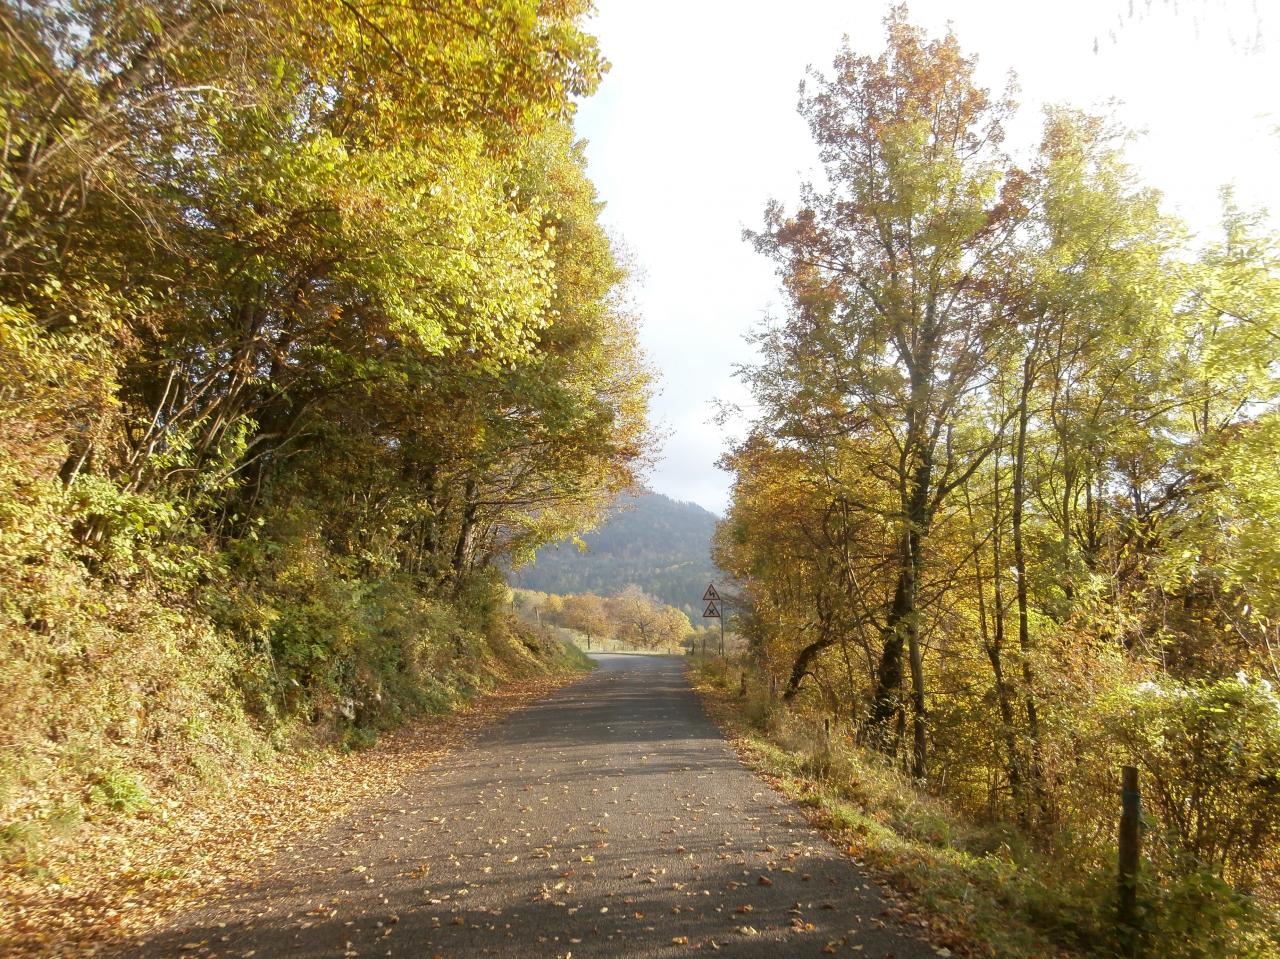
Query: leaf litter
124, 876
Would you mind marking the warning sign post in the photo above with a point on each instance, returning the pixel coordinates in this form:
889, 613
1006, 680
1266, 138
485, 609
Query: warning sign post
713, 611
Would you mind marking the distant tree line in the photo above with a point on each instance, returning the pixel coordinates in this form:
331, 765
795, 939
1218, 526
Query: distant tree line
631, 618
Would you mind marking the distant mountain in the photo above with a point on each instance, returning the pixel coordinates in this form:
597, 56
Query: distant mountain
660, 544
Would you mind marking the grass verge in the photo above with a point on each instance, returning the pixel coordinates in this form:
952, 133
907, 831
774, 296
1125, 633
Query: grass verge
978, 890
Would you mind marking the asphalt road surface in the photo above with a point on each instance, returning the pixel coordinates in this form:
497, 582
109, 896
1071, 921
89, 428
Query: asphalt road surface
610, 819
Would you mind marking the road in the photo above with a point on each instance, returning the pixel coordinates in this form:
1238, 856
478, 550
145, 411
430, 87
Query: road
611, 819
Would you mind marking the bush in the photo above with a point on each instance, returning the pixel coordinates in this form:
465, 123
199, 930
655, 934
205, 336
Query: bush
1211, 757
1198, 915
118, 790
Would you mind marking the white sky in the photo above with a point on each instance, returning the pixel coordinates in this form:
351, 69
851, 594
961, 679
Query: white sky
695, 127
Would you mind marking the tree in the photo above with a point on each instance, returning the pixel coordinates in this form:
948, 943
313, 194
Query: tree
309, 325
672, 627
893, 336
645, 622
1012, 438
588, 614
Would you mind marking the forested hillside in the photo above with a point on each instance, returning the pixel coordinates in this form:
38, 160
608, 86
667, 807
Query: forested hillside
651, 541
306, 321
1010, 505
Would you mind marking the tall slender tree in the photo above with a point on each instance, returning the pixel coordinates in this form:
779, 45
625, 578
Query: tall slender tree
889, 265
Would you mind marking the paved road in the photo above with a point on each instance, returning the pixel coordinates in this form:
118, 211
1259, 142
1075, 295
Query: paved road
610, 819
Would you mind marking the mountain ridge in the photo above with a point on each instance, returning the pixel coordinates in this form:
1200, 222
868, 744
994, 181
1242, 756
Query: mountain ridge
661, 544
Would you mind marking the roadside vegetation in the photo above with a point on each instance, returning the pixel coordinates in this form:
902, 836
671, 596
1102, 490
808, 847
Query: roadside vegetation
307, 324
976, 886
1006, 516
629, 620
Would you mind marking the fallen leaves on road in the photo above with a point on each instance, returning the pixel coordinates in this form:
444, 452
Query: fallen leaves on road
127, 875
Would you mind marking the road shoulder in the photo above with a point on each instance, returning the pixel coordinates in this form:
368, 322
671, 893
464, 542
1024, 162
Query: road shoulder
177, 857
805, 794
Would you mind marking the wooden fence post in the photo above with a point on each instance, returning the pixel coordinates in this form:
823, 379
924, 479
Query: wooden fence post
1130, 851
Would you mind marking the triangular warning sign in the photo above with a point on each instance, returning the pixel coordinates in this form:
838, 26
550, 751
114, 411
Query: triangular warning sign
711, 612
711, 596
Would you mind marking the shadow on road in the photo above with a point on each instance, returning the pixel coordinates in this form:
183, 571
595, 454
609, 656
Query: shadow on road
608, 820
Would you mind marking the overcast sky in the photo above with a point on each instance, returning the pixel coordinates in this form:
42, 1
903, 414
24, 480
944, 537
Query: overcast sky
695, 127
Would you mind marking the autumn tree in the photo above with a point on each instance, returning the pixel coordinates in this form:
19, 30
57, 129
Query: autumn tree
643, 621
889, 266
1012, 439
310, 328
589, 615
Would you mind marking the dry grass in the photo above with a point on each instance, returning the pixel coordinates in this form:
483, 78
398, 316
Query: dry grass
978, 890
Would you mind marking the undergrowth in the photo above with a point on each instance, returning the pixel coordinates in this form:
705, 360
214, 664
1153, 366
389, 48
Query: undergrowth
983, 888
128, 697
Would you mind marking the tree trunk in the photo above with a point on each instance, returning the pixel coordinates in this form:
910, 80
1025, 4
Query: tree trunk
466, 534
993, 642
1036, 769
916, 659
800, 668
902, 629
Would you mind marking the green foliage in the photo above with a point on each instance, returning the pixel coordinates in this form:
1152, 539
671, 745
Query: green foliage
1211, 757
118, 791
1198, 915
297, 348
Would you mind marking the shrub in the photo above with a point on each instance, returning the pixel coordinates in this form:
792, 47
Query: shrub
1199, 915
118, 790
1211, 756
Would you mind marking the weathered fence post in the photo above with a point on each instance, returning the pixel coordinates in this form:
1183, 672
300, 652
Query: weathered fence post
1130, 850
